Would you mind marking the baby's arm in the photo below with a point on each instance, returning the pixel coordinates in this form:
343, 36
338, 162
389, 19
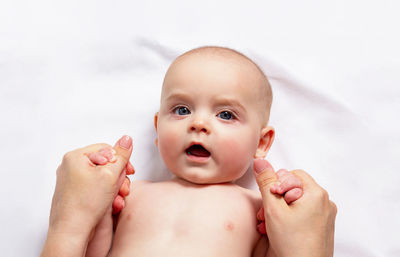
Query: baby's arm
101, 237
289, 186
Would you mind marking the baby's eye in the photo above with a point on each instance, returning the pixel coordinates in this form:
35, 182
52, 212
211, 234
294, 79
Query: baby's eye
225, 115
181, 110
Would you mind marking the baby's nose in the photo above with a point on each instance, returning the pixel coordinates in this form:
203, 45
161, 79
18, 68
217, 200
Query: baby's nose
199, 125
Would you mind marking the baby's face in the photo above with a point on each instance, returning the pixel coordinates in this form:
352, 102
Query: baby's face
210, 121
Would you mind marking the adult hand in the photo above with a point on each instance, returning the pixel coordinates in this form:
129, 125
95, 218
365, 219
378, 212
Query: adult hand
83, 193
303, 228
105, 156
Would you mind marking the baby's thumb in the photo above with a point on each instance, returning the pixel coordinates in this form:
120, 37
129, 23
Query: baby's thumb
266, 178
123, 149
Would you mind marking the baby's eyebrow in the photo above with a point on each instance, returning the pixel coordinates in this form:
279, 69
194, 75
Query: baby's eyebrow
179, 96
230, 102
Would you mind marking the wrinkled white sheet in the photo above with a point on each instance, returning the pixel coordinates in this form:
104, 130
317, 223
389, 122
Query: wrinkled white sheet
73, 73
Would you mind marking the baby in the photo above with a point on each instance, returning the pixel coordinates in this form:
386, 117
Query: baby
212, 122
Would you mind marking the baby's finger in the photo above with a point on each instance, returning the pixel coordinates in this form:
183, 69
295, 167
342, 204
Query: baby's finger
97, 158
118, 204
124, 189
260, 214
288, 183
129, 169
109, 153
292, 195
281, 173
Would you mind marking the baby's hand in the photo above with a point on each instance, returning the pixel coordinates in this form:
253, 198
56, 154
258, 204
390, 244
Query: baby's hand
289, 186
105, 156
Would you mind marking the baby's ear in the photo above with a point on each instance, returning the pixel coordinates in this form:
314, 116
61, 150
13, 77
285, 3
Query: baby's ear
155, 120
155, 126
266, 139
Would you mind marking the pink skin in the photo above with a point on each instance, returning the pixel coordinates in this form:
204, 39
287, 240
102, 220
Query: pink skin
289, 186
104, 156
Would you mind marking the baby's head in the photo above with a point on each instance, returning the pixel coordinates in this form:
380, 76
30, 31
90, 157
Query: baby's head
213, 117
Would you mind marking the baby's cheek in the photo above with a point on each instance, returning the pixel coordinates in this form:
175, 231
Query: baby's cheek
233, 150
236, 155
240, 145
167, 144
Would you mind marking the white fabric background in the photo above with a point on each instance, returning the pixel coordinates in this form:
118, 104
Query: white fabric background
73, 73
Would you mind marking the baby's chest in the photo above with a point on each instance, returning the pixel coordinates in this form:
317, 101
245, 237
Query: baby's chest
181, 214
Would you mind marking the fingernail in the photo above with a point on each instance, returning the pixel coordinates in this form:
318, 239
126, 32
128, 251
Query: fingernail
260, 165
125, 142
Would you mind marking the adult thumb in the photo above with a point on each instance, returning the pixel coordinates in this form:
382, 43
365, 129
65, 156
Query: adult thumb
123, 149
266, 178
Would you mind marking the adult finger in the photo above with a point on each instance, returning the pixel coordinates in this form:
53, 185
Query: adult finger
266, 178
119, 200
261, 228
311, 188
118, 204
129, 169
121, 180
260, 214
124, 189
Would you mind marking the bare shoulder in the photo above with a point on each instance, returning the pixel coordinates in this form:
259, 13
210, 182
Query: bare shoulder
137, 183
253, 194
147, 185
139, 191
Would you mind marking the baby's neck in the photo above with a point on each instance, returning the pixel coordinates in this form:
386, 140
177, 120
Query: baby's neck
188, 183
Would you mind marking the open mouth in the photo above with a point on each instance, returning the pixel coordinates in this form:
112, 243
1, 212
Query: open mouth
197, 150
